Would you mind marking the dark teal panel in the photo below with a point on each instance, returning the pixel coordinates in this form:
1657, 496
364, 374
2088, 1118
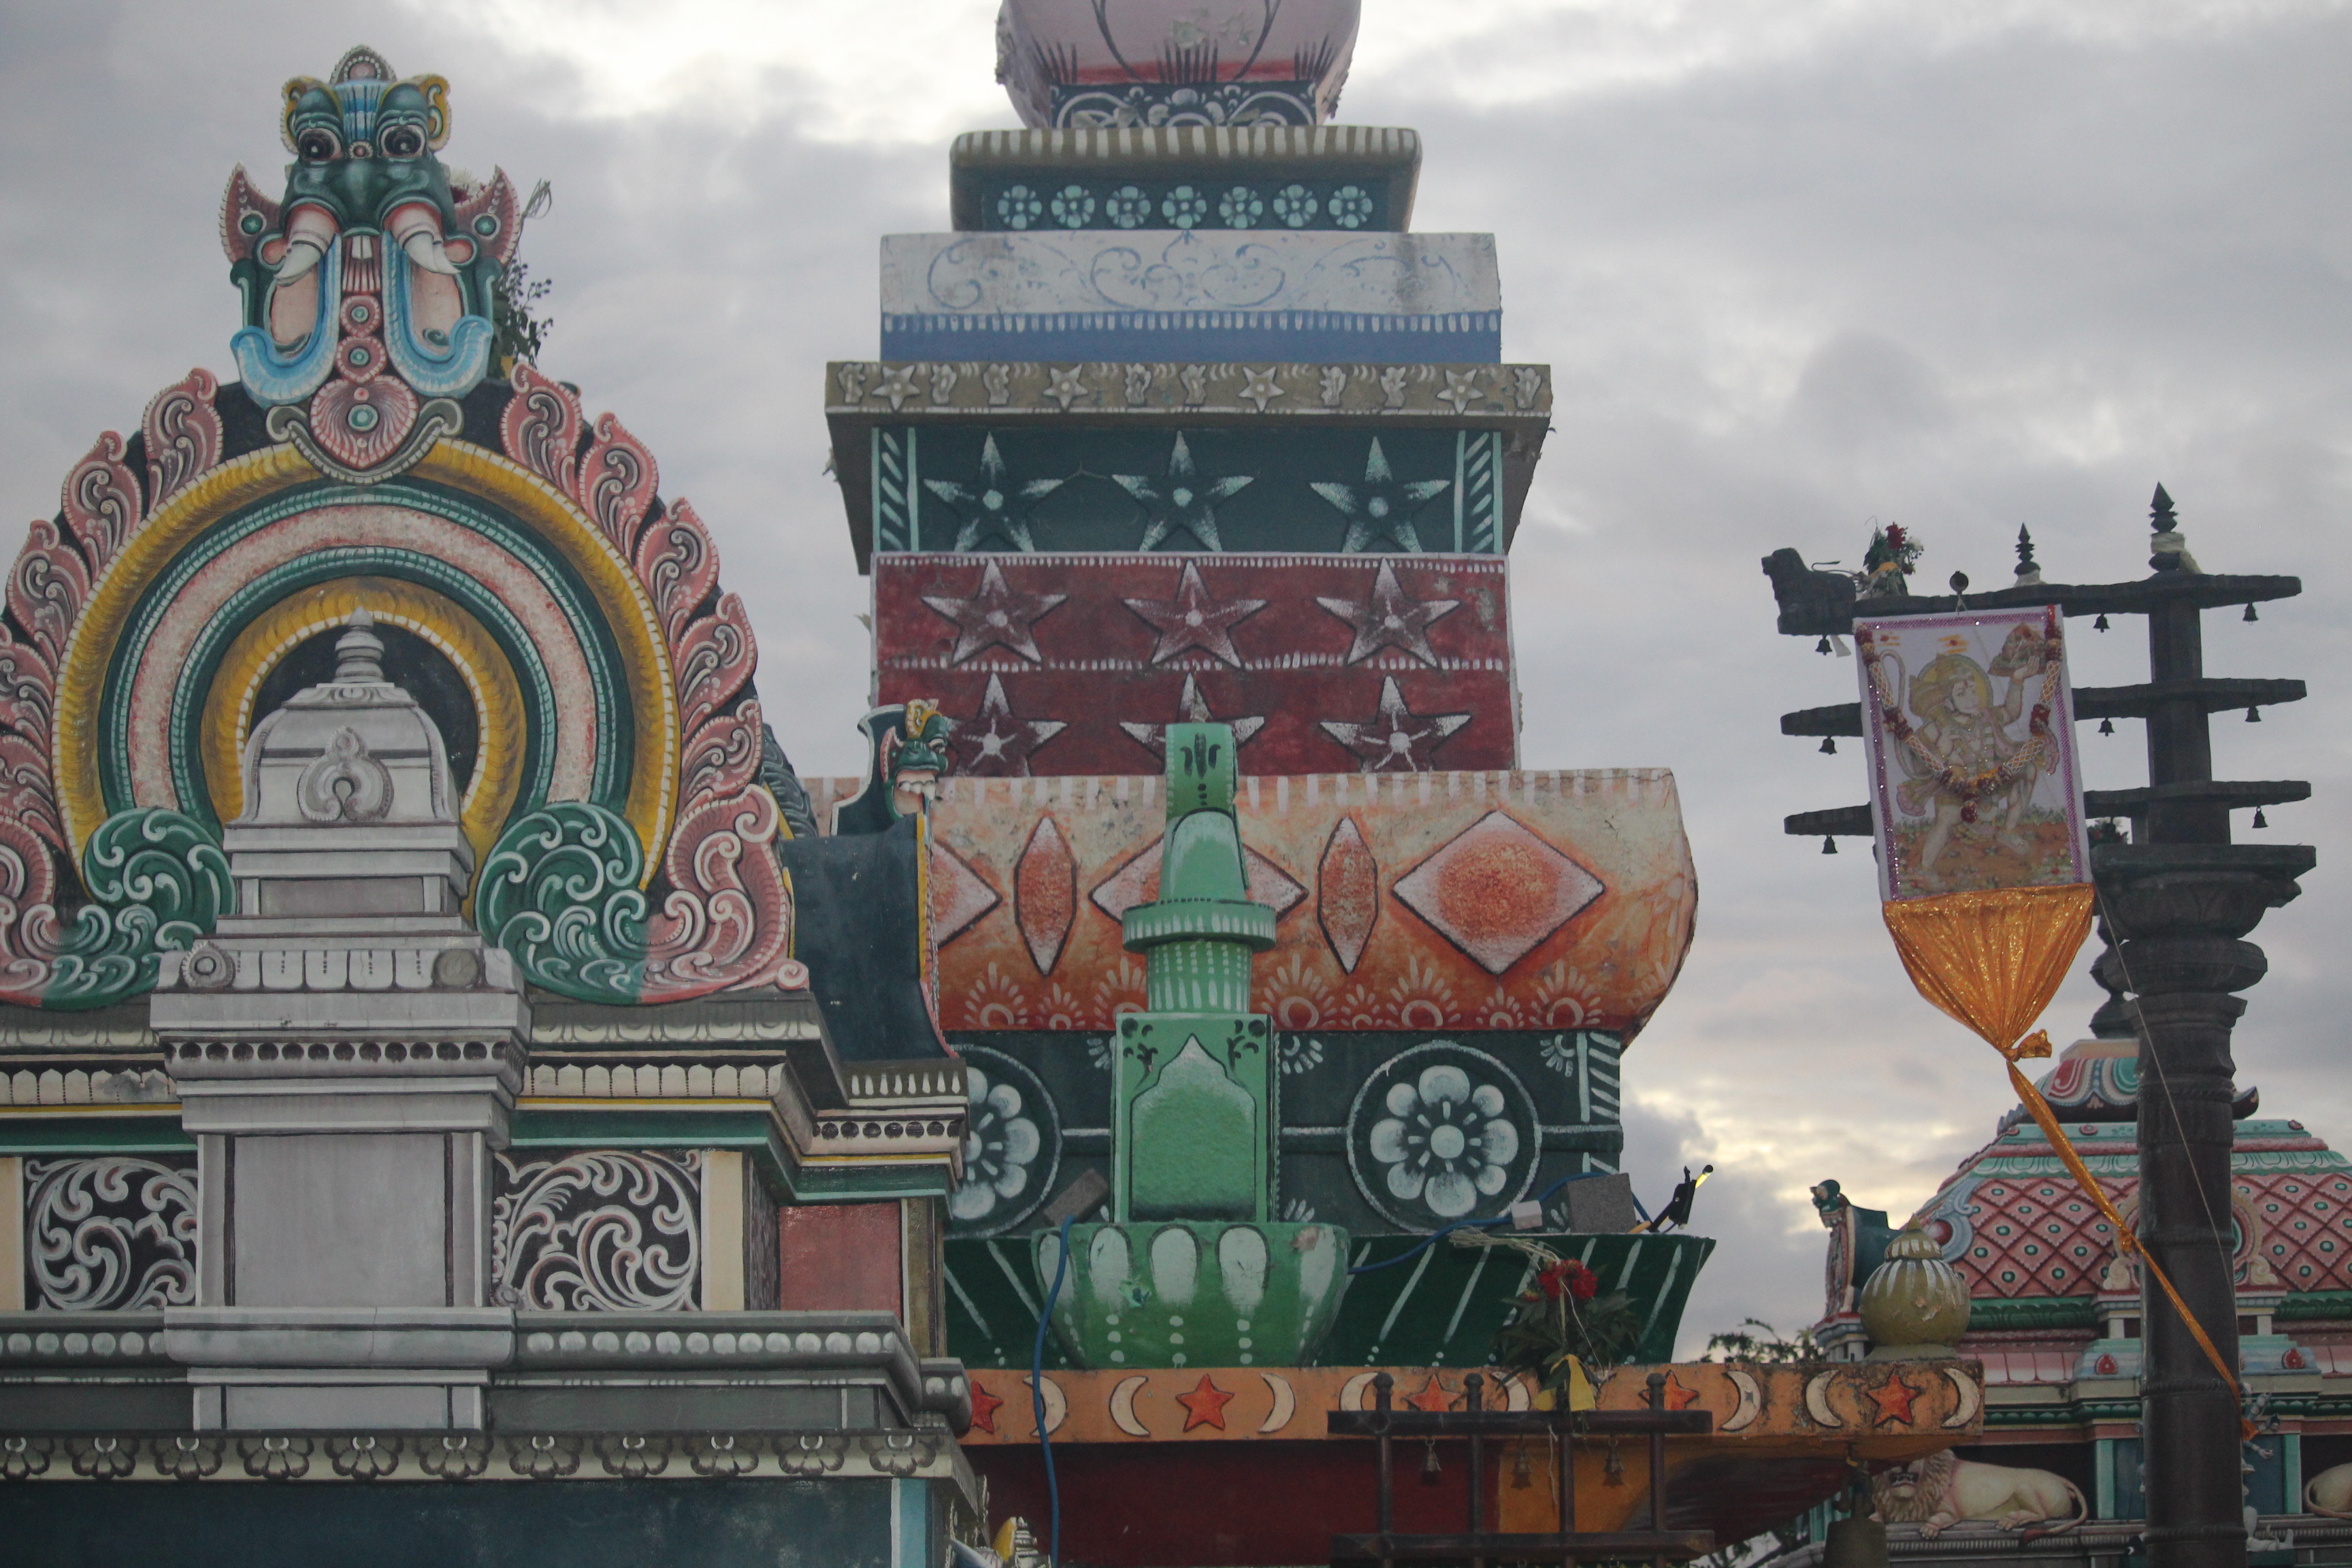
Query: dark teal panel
1268, 197
492, 1524
1079, 488
1441, 1309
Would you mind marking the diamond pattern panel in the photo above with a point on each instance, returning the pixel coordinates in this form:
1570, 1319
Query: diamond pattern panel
2306, 1226
2037, 1237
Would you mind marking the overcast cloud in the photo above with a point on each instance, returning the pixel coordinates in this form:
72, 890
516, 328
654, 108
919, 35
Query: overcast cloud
1796, 264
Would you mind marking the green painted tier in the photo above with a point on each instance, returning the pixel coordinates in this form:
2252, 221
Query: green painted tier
1440, 1309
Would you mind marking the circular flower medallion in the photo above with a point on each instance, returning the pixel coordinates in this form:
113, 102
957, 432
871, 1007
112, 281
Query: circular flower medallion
1352, 206
1128, 207
1441, 1133
1074, 206
1012, 1145
1241, 207
1294, 206
1019, 206
1184, 207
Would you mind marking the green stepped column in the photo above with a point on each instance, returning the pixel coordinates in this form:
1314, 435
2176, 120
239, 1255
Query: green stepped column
1191, 1269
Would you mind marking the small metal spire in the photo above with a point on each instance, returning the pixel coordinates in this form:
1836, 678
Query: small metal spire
2028, 571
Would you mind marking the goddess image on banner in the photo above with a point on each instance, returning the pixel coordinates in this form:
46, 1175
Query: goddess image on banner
1975, 782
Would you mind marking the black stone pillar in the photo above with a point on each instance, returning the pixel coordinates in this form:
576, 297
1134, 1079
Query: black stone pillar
2179, 912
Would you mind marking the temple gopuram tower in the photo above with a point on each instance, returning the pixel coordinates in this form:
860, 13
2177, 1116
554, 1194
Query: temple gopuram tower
434, 1043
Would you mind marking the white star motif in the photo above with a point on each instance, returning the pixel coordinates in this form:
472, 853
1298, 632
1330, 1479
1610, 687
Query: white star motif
1390, 742
1389, 619
1066, 387
899, 384
1260, 389
1461, 389
1192, 620
992, 742
995, 616
1381, 506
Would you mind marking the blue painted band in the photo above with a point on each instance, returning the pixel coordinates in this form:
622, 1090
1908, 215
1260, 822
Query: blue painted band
1224, 336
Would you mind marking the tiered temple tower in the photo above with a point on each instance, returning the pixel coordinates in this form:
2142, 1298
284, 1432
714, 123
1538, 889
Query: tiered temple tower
427, 1015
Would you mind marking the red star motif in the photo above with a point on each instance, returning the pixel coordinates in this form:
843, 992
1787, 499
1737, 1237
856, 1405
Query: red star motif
993, 743
1396, 739
1192, 708
985, 1406
1433, 1397
995, 616
1677, 1396
1205, 1406
1893, 1399
1193, 620
1389, 619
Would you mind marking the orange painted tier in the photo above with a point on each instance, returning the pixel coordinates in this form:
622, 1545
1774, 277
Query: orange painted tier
1481, 900
1157, 1467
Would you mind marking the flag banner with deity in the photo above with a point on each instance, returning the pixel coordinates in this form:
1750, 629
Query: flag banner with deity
1975, 782
1984, 865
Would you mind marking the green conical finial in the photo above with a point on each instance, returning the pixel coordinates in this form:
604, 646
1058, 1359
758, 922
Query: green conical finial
1192, 1267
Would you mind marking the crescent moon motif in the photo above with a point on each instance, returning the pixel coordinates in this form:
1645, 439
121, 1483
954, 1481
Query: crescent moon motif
1751, 1400
1971, 1398
1817, 1400
1122, 1406
1057, 1406
1517, 1399
1351, 1393
1285, 1404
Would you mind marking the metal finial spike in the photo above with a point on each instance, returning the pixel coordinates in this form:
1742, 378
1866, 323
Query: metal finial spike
2159, 511
1829, 844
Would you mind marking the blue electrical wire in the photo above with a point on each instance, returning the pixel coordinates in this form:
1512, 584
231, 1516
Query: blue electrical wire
1434, 1237
1037, 1385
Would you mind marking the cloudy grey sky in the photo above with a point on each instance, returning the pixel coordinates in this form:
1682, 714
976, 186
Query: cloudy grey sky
1796, 264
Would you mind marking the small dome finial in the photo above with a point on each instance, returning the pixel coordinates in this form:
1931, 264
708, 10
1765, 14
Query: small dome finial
359, 652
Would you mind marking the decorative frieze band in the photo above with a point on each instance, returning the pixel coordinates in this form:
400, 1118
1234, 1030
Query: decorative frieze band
1505, 392
902, 1455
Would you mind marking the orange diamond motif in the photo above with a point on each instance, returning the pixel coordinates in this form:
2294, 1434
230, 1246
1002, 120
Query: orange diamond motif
1497, 891
959, 895
1348, 893
1045, 894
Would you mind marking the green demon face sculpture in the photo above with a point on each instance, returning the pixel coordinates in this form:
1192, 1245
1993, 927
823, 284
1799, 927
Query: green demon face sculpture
372, 262
906, 757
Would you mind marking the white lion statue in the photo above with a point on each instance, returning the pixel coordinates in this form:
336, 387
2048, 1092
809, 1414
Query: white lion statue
1942, 1489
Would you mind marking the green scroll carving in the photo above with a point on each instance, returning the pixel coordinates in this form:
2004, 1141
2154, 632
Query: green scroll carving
560, 891
157, 882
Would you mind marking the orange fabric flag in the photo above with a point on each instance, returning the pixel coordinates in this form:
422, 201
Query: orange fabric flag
1993, 959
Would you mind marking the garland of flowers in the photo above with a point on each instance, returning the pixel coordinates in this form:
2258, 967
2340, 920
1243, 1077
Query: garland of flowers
1565, 1324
